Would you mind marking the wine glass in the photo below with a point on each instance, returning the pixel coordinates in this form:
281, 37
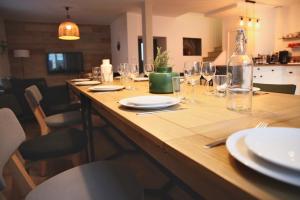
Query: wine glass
208, 71
121, 68
148, 68
192, 73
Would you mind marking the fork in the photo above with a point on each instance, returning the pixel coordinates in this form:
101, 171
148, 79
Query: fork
222, 141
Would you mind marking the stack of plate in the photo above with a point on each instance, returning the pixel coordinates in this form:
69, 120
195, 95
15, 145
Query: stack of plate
139, 79
106, 88
274, 152
80, 79
83, 83
149, 102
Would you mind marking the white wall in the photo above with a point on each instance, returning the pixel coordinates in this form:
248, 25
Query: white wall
4, 64
275, 23
118, 29
174, 29
287, 21
260, 41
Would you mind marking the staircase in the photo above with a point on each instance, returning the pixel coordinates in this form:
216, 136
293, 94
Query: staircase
214, 54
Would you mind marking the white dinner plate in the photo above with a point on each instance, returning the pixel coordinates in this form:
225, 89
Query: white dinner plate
138, 79
87, 83
278, 145
255, 89
104, 88
238, 149
149, 102
80, 79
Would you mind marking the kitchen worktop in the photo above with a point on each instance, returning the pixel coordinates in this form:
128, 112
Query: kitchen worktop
272, 65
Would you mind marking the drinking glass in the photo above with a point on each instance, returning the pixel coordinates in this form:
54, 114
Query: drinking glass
148, 68
121, 68
192, 73
96, 72
220, 85
130, 73
177, 88
208, 71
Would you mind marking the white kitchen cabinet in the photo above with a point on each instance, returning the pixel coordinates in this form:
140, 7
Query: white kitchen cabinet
267, 74
277, 75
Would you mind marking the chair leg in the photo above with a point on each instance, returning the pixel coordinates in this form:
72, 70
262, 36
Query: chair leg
43, 168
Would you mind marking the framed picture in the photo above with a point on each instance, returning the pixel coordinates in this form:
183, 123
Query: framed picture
192, 47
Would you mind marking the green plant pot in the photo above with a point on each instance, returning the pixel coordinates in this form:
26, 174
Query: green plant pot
160, 82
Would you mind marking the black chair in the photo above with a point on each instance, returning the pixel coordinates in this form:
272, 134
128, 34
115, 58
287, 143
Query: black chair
98, 180
286, 89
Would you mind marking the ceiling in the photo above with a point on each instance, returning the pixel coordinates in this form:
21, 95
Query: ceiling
105, 11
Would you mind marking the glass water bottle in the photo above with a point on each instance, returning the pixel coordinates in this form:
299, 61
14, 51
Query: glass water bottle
239, 76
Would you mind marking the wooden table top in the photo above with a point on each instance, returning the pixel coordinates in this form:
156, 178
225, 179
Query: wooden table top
180, 137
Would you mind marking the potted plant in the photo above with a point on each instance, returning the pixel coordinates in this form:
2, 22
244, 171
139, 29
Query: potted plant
160, 81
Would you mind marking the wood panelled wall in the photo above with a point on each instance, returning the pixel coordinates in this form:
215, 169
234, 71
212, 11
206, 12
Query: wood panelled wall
41, 38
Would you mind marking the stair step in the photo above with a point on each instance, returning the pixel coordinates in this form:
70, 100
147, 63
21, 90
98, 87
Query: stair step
214, 54
218, 48
206, 59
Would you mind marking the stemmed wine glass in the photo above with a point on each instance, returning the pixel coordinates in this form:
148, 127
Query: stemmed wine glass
208, 71
148, 68
192, 73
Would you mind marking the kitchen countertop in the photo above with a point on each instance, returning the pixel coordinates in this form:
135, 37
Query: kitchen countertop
272, 65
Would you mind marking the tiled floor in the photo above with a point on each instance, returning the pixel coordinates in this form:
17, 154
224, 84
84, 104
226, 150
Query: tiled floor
147, 173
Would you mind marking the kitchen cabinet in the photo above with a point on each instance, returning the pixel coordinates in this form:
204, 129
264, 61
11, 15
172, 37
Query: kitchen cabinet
277, 74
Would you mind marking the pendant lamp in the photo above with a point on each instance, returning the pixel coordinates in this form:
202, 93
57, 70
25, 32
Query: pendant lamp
68, 30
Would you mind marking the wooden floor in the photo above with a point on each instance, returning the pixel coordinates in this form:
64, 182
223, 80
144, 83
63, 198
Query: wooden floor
148, 174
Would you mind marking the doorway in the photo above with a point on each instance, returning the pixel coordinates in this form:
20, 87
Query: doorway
157, 42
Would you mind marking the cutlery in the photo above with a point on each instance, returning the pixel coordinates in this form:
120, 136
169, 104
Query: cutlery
222, 141
158, 111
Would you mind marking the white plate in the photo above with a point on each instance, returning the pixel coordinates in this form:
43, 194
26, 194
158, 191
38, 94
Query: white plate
238, 149
87, 83
278, 145
137, 79
255, 89
104, 88
80, 79
149, 102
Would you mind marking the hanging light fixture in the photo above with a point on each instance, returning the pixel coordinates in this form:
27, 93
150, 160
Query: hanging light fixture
257, 25
248, 17
250, 22
68, 30
242, 21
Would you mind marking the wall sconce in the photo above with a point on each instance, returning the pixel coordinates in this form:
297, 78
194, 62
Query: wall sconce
3, 46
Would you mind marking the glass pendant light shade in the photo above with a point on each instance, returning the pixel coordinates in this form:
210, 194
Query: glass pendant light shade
68, 30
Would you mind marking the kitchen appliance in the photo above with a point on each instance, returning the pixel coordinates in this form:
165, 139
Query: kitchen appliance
284, 57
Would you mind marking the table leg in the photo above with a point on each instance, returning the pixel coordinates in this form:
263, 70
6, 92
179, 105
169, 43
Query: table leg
87, 125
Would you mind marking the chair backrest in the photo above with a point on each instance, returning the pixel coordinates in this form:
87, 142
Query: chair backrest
279, 88
34, 97
11, 136
34, 93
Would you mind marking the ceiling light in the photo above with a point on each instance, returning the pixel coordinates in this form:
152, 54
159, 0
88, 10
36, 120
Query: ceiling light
68, 30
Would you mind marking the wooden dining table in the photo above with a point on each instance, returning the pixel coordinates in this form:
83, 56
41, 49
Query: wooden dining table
176, 138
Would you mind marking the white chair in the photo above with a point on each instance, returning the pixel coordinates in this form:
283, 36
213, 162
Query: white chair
98, 180
34, 97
